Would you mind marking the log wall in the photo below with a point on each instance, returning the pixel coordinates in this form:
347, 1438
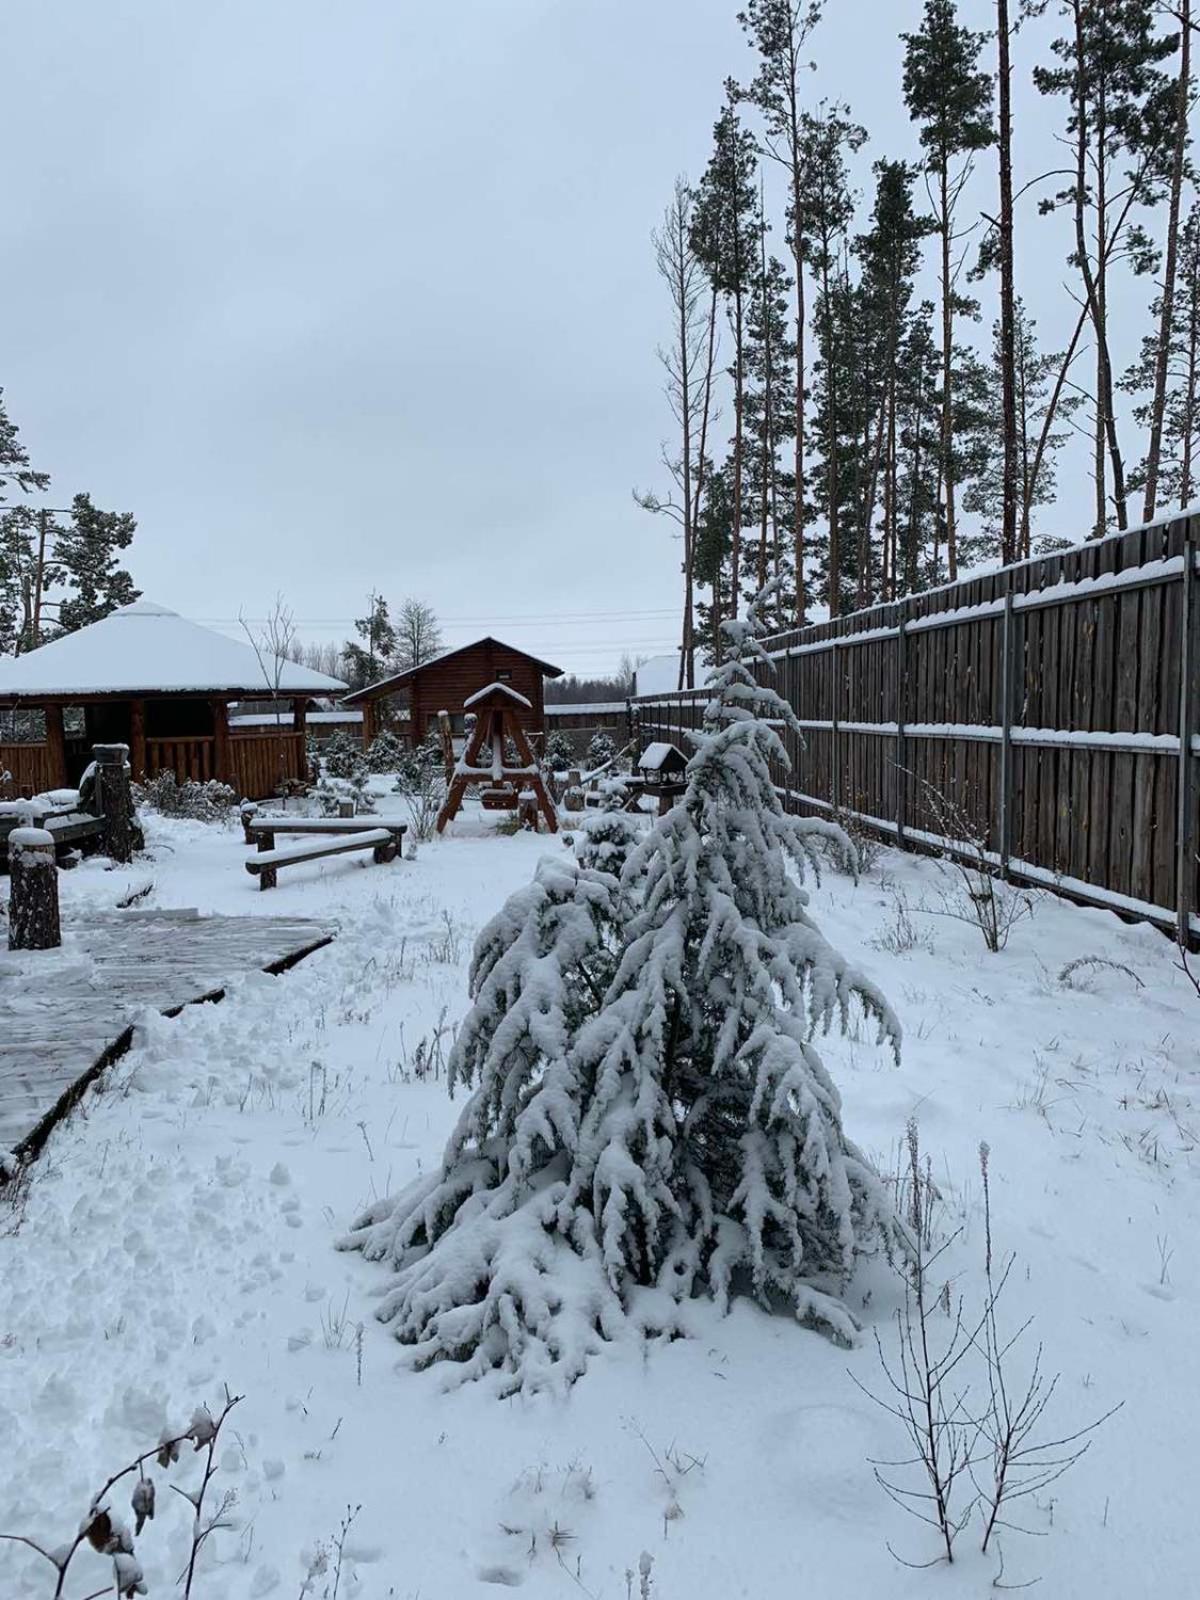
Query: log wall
1055, 704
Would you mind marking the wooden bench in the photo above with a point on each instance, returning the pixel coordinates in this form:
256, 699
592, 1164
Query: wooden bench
262, 830
68, 828
384, 844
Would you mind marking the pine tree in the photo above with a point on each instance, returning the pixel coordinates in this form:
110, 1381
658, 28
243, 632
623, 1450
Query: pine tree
714, 540
18, 535
1175, 354
1120, 125
779, 31
367, 662
826, 208
948, 94
1043, 427
770, 488
920, 525
650, 1121
725, 233
890, 255
1164, 309
85, 559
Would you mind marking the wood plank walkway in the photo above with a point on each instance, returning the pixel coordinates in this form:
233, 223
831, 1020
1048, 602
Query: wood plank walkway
67, 1014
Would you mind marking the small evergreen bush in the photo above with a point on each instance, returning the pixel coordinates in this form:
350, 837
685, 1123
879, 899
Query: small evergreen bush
200, 802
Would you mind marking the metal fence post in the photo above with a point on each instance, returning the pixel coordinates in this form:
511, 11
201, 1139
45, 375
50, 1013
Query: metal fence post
1006, 699
1185, 839
901, 708
835, 770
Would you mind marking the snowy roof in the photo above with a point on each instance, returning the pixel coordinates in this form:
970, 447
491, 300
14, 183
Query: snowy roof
657, 675
267, 719
146, 649
658, 755
498, 688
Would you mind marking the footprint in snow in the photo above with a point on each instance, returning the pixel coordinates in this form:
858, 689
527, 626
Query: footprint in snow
507, 1577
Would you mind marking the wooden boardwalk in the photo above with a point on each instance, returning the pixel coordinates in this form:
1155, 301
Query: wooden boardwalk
67, 1014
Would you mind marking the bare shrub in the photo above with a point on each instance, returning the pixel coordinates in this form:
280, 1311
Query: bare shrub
921, 1379
982, 899
106, 1532
1021, 1464
900, 934
422, 782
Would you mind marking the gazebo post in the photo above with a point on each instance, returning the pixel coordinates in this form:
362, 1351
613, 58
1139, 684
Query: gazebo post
56, 747
220, 718
137, 740
368, 732
300, 746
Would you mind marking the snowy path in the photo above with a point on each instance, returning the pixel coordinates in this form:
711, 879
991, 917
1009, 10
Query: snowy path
63, 1012
178, 1235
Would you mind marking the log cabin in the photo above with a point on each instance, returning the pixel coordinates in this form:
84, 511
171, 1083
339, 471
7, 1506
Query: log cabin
447, 681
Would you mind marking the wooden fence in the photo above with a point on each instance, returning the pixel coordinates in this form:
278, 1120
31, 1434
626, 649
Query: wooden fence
258, 763
25, 769
1054, 704
255, 762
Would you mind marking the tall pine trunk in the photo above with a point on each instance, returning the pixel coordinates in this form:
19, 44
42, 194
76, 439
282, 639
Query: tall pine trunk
831, 452
948, 371
1191, 400
738, 407
798, 510
702, 447
1008, 387
1166, 312
686, 647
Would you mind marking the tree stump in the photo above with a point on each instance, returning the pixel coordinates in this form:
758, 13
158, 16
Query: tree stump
345, 808
115, 800
527, 810
573, 798
33, 894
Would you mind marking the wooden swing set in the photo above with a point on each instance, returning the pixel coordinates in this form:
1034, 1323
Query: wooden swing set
492, 721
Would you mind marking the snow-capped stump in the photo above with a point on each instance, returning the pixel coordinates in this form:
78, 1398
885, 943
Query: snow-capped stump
115, 800
650, 1122
33, 922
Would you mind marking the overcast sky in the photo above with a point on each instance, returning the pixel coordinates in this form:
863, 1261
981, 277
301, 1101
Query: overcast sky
334, 296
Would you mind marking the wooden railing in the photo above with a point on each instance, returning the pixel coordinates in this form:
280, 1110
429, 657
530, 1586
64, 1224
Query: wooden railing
29, 768
259, 761
193, 758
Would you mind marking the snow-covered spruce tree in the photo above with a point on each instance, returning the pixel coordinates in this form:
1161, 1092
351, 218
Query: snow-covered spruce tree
385, 753
605, 839
651, 1123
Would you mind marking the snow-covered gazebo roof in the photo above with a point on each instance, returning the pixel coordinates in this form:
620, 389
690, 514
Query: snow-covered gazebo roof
145, 650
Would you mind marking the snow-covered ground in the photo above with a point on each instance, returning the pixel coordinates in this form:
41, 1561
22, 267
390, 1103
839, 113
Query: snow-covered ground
178, 1235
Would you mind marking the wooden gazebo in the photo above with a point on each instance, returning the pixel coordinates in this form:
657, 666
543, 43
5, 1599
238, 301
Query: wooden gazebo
148, 678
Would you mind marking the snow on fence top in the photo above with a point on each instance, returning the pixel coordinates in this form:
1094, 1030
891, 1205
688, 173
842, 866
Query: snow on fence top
586, 708
146, 649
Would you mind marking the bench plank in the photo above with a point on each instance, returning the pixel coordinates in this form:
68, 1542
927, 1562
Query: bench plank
323, 825
384, 843
362, 840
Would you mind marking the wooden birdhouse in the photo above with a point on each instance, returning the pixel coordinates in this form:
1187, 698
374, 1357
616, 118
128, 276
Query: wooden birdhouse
661, 769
